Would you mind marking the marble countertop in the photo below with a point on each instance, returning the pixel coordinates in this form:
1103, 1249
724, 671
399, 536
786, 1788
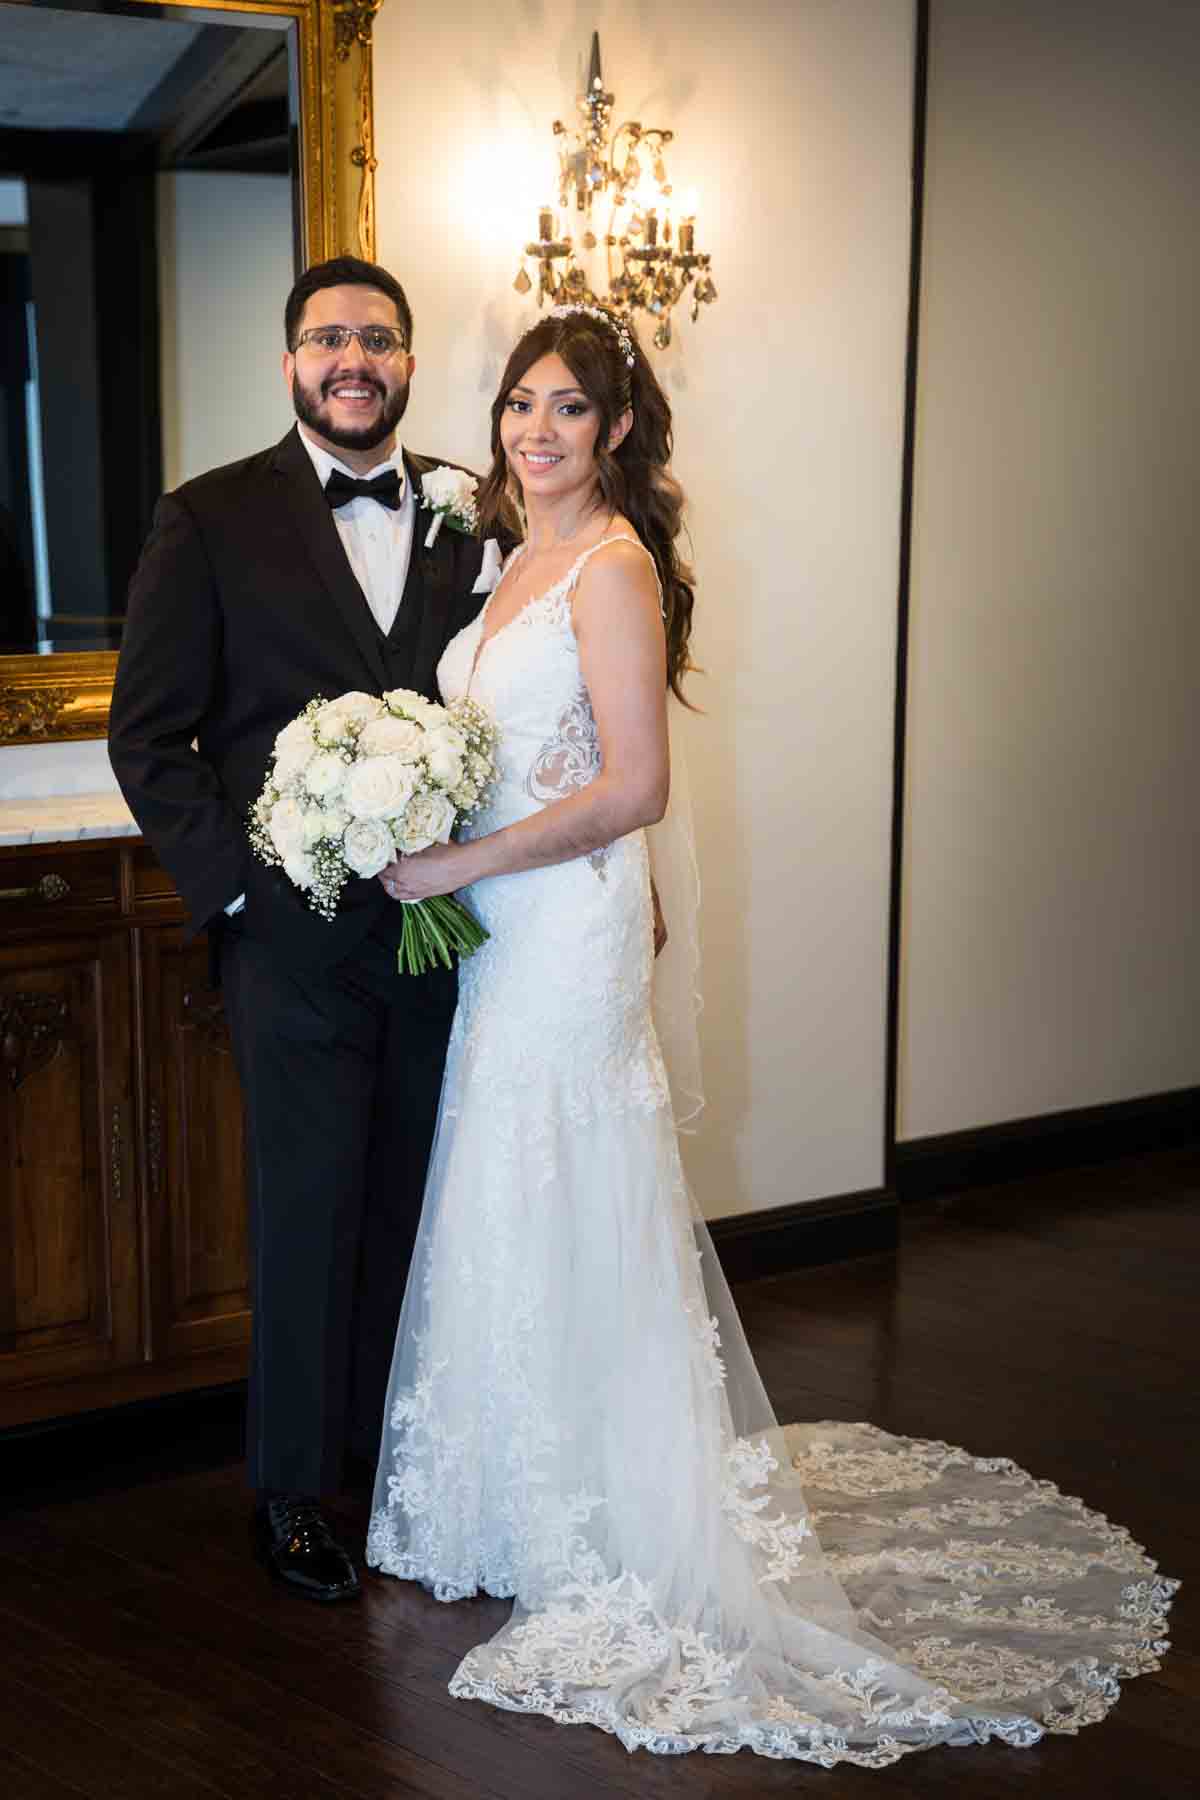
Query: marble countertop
65, 818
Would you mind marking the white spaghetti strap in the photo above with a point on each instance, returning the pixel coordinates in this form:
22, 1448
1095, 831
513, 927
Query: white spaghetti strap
618, 537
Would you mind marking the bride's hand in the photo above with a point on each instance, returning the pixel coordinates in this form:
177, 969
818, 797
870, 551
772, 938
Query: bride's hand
438, 870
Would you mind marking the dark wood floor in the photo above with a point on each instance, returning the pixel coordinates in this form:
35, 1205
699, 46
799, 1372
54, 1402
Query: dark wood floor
1051, 1321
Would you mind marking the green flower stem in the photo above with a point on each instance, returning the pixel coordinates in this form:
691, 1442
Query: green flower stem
434, 931
435, 944
435, 935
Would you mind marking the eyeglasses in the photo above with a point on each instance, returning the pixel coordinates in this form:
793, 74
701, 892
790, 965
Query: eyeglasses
378, 341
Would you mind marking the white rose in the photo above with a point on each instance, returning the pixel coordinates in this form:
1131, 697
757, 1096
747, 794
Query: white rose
367, 846
445, 762
315, 825
300, 869
294, 736
451, 489
392, 737
428, 819
379, 788
294, 749
324, 775
452, 737
286, 826
289, 769
404, 700
427, 714
347, 709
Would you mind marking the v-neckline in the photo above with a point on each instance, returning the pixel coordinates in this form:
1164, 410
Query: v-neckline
534, 599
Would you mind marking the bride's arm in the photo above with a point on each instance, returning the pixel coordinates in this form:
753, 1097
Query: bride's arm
622, 655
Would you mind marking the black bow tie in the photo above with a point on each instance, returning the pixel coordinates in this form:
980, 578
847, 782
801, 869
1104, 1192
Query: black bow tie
386, 488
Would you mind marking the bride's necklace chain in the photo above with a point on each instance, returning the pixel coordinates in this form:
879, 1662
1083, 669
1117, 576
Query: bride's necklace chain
533, 554
559, 543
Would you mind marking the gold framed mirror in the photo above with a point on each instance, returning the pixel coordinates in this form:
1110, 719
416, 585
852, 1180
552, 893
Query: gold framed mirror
47, 697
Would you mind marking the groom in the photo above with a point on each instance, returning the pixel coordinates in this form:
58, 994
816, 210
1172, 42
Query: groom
297, 572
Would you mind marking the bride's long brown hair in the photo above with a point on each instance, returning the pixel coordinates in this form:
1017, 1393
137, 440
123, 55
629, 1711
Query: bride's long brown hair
634, 478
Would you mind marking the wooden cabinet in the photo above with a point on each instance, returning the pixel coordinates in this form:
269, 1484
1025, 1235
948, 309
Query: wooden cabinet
194, 1172
122, 1220
69, 1299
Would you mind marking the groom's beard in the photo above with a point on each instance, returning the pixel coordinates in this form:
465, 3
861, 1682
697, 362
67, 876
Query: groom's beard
312, 409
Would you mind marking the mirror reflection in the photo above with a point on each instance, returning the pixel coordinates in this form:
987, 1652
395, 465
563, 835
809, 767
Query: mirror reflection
148, 234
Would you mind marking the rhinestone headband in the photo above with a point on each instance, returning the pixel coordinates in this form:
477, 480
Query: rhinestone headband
616, 326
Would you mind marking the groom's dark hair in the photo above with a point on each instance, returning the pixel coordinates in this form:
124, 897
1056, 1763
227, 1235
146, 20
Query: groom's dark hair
344, 271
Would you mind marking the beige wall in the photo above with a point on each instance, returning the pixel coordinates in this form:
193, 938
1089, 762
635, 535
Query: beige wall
793, 121
225, 266
1052, 957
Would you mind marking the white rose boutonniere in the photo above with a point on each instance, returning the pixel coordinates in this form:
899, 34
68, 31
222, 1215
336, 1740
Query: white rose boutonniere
450, 495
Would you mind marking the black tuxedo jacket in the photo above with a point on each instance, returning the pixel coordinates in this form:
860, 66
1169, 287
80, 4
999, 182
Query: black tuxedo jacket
242, 609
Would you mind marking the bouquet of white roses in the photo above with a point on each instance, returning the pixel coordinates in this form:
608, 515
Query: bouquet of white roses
354, 780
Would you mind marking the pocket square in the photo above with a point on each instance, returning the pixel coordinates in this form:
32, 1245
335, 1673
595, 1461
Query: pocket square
489, 573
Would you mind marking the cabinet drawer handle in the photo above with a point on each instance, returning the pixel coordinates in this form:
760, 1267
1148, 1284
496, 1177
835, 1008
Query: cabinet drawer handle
49, 888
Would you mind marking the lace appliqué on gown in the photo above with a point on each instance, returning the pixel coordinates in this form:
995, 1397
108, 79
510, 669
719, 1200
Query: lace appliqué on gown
574, 1418
569, 761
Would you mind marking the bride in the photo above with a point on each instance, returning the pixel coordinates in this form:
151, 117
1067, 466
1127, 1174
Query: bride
574, 1419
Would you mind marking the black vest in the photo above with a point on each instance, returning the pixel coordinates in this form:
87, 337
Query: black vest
400, 644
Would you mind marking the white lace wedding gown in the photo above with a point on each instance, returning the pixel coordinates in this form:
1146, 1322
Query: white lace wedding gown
575, 1420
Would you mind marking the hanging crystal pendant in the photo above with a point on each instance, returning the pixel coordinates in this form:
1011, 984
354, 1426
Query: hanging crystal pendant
662, 336
522, 283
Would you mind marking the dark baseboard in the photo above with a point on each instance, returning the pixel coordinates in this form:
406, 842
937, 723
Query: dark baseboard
782, 1238
1020, 1148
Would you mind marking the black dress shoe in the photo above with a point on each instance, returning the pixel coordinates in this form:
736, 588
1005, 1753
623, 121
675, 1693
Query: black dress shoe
297, 1546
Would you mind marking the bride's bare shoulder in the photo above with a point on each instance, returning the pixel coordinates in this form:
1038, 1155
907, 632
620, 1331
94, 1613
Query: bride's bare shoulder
618, 562
618, 583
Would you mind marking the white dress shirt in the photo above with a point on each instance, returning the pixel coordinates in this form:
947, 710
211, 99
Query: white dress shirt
377, 541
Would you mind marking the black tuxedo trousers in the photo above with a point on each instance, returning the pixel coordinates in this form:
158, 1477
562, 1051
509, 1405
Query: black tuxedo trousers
341, 1069
244, 608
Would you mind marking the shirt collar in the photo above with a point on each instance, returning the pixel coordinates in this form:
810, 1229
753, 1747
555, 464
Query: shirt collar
325, 464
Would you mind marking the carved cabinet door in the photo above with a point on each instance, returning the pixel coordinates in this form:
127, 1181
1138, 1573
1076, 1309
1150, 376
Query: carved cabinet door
192, 1140
69, 1243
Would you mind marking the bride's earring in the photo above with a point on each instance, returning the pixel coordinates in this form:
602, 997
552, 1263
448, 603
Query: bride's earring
619, 432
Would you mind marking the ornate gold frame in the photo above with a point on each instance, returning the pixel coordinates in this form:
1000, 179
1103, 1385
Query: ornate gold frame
44, 699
